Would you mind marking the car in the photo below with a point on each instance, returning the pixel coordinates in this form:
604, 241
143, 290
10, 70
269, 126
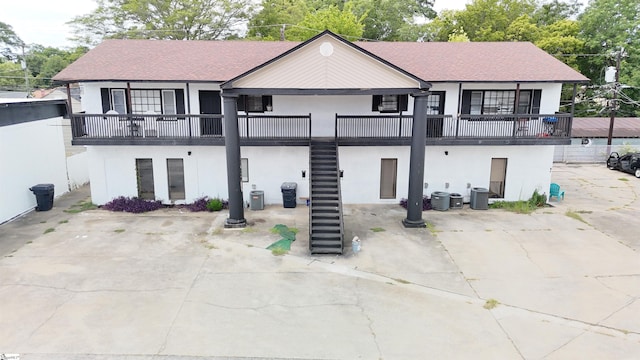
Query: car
629, 163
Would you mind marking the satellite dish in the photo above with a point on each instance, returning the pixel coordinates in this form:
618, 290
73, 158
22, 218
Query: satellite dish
586, 142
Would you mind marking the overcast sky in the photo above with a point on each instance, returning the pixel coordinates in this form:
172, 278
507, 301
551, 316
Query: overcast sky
43, 21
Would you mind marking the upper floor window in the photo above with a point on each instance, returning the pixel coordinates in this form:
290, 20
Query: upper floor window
496, 102
165, 101
389, 103
255, 103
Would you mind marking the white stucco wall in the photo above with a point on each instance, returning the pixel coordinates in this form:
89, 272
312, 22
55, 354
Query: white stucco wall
528, 168
30, 153
77, 170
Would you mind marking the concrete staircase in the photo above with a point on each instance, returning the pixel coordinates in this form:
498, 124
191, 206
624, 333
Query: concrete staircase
326, 230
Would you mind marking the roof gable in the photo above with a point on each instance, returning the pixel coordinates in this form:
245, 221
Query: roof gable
327, 62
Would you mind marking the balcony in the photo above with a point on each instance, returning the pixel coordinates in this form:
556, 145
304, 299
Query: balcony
184, 129
512, 129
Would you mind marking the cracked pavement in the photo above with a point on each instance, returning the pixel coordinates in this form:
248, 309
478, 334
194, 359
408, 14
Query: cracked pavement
175, 285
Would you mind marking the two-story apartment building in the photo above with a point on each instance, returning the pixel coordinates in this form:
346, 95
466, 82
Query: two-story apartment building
365, 122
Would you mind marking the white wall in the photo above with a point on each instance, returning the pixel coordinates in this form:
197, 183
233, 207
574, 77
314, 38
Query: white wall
30, 153
77, 170
270, 166
113, 171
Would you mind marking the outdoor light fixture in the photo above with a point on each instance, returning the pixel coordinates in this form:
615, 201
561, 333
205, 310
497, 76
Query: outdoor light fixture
446, 152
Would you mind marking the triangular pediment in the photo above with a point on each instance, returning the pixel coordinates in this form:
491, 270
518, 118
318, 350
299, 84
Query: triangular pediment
326, 62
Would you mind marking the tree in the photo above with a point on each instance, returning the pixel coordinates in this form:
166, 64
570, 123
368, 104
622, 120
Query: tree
268, 23
162, 19
607, 27
11, 76
9, 41
388, 20
488, 20
556, 10
342, 22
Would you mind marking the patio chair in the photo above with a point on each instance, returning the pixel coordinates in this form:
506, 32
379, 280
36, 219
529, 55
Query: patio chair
555, 191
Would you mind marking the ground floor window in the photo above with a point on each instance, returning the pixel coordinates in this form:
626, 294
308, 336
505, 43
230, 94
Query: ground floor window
175, 174
144, 174
388, 178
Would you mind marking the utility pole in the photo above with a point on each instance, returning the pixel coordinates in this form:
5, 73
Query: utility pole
26, 72
614, 99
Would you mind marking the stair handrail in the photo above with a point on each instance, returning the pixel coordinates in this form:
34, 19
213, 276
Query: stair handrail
339, 175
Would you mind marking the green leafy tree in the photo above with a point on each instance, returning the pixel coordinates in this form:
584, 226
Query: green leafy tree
556, 10
342, 22
488, 20
161, 19
389, 20
273, 16
606, 27
11, 76
9, 42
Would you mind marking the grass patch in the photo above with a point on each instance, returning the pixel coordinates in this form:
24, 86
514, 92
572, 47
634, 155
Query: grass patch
278, 251
249, 229
81, 206
249, 245
491, 304
536, 201
575, 215
49, 230
432, 229
377, 229
402, 281
29, 242
119, 231
623, 179
217, 231
63, 221
43, 221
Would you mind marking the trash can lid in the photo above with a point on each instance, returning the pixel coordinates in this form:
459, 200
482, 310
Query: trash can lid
289, 186
41, 187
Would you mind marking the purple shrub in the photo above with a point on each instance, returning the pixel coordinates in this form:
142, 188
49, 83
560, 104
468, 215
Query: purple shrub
426, 203
200, 204
132, 205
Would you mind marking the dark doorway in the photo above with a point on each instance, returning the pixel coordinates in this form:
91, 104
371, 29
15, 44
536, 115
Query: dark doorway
210, 103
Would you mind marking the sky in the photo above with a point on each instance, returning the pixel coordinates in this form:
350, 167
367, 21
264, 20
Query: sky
43, 21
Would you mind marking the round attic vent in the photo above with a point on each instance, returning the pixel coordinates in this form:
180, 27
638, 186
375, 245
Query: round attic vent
326, 49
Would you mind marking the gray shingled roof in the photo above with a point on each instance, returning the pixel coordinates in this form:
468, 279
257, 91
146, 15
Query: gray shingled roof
218, 61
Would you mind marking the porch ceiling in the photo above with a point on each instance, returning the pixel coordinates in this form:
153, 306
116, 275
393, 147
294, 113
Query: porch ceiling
327, 64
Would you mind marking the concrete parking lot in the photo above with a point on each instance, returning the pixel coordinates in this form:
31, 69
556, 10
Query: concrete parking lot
561, 283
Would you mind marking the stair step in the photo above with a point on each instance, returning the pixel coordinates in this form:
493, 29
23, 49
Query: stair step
326, 237
332, 197
317, 210
320, 230
325, 222
318, 244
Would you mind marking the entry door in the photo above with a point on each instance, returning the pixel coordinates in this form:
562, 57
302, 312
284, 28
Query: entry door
388, 178
498, 177
435, 106
210, 104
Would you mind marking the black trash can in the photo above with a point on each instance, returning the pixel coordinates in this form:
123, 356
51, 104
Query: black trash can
44, 196
289, 194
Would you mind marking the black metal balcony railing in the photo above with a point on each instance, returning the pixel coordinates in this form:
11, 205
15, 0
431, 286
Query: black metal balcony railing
183, 126
296, 129
523, 126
